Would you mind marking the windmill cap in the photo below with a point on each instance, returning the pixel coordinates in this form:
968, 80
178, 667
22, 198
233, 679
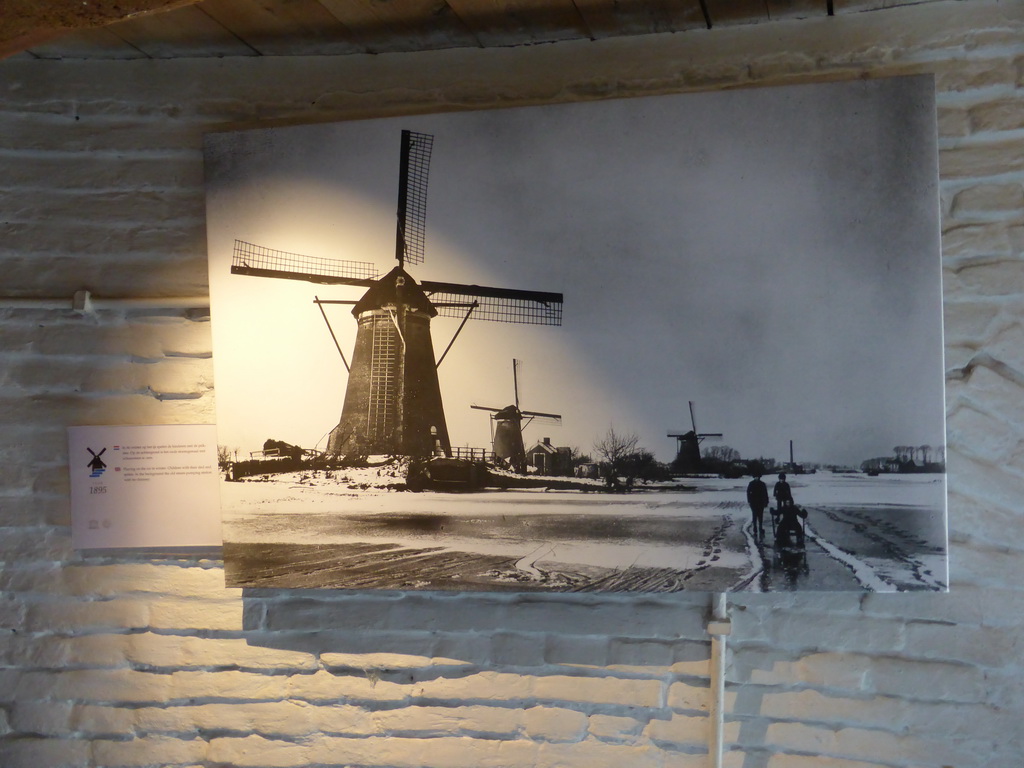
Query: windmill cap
385, 292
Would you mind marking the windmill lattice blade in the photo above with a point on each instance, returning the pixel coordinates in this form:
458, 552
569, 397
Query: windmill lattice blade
503, 305
412, 196
547, 418
250, 259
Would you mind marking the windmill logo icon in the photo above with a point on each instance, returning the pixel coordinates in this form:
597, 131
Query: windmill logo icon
97, 465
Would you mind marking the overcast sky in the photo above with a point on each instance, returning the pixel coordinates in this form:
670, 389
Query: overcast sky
771, 254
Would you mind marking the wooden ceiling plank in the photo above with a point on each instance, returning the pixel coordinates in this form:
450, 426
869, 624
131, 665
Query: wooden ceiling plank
403, 25
796, 9
614, 18
686, 14
97, 43
726, 12
521, 22
184, 32
854, 6
284, 27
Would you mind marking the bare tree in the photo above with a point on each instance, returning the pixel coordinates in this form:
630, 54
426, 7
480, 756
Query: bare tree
722, 453
613, 447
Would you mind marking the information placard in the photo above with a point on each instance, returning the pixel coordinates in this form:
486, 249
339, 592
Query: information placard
144, 486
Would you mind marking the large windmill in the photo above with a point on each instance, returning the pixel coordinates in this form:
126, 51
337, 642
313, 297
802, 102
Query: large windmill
507, 439
688, 446
393, 399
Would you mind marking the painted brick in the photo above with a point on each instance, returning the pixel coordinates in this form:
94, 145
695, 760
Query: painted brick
953, 122
554, 724
103, 720
140, 751
172, 613
483, 686
1000, 443
135, 334
59, 753
596, 754
1001, 115
637, 652
971, 239
468, 646
517, 649
587, 650
828, 670
12, 612
981, 160
959, 74
679, 731
256, 751
615, 728
89, 172
180, 578
996, 278
1006, 346
475, 721
273, 719
325, 687
989, 200
173, 651
96, 685
785, 629
412, 642
688, 695
965, 321
165, 375
540, 723
598, 690
932, 681
818, 761
23, 509
39, 718
964, 606
64, 615
869, 745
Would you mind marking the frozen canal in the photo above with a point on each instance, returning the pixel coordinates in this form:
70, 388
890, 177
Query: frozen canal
885, 533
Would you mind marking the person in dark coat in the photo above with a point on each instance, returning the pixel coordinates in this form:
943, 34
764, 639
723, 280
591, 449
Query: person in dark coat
790, 523
782, 492
757, 498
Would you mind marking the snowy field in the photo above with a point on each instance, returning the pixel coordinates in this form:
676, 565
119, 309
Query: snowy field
885, 533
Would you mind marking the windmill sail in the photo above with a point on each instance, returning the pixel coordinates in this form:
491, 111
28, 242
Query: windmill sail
504, 305
260, 261
412, 197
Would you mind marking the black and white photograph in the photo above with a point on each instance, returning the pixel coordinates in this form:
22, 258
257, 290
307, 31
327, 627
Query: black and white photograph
679, 342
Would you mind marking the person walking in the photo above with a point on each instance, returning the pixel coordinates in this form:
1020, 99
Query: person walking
782, 492
757, 498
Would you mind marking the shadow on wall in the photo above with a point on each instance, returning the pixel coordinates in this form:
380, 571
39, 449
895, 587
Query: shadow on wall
483, 629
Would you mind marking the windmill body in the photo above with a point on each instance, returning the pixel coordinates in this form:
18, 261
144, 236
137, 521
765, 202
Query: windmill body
688, 459
508, 437
507, 443
393, 399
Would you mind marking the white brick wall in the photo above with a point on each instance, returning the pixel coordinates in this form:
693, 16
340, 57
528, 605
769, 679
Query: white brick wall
141, 661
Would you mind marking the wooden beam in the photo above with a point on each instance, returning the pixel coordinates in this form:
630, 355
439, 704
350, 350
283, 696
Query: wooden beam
27, 23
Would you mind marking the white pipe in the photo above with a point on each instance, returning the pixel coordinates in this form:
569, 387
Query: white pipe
719, 628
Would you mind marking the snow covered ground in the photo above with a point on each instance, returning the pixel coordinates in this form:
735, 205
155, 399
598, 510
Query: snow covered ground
884, 533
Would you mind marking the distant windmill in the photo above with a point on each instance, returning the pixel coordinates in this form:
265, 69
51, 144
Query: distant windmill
688, 446
508, 426
393, 399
